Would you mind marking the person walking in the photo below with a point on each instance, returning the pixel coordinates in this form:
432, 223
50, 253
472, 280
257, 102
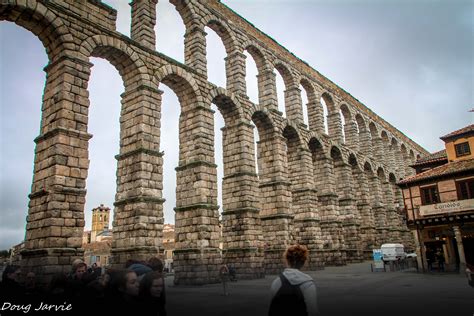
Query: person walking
294, 292
224, 275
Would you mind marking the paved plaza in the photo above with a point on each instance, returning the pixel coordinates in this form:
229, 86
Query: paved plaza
346, 290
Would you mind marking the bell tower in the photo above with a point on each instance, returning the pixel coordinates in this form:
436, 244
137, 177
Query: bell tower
100, 220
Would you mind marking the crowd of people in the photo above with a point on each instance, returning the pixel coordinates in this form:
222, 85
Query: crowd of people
138, 288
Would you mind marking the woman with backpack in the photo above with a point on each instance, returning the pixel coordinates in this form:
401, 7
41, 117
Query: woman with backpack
294, 292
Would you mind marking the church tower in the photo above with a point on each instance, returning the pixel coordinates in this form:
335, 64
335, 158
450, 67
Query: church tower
100, 220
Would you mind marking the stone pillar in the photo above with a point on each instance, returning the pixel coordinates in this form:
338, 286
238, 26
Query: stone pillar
331, 223
195, 49
390, 157
335, 127
399, 165
55, 221
293, 104
462, 256
378, 148
235, 73
350, 131
267, 95
378, 210
393, 223
367, 221
316, 116
241, 226
143, 22
304, 206
138, 214
348, 211
196, 256
365, 143
275, 200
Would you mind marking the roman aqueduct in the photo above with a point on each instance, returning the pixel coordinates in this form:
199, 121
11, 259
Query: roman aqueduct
334, 192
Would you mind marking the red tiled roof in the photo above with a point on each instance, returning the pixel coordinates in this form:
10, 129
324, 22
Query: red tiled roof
464, 130
446, 169
437, 156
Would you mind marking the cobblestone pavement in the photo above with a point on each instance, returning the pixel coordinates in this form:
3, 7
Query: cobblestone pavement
346, 290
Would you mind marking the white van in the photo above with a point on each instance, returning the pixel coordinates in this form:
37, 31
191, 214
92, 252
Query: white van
393, 252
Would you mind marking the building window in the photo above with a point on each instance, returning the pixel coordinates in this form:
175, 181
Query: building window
429, 195
465, 189
462, 149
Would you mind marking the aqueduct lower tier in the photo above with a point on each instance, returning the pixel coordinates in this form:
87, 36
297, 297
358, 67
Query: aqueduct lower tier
334, 192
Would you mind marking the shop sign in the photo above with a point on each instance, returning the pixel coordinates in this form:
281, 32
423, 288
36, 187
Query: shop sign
447, 207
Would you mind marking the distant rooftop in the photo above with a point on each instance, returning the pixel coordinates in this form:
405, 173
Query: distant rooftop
465, 130
434, 157
443, 170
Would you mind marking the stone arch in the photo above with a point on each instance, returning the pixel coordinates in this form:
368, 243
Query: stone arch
353, 161
329, 100
365, 140
292, 94
312, 107
373, 130
223, 31
181, 82
381, 174
130, 67
334, 121
42, 22
361, 125
368, 167
285, 73
263, 121
230, 107
349, 128
344, 108
257, 55
336, 153
187, 12
309, 88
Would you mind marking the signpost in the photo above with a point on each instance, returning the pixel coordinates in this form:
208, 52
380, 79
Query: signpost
378, 262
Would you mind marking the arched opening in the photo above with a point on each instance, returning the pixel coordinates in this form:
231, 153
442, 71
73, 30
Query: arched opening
280, 92
251, 79
216, 54
19, 107
349, 135
169, 30
326, 102
312, 112
169, 138
305, 100
254, 77
104, 125
219, 152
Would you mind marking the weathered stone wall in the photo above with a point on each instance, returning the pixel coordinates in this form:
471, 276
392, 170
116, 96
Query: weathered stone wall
332, 192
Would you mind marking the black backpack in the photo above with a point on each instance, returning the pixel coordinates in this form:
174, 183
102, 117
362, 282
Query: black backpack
289, 300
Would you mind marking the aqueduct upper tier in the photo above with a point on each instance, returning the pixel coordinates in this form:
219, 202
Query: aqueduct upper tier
334, 192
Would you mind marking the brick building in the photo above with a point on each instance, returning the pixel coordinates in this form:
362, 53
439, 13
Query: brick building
439, 201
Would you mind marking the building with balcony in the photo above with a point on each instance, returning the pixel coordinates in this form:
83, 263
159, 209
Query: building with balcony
439, 204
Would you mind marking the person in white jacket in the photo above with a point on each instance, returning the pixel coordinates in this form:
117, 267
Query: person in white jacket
295, 257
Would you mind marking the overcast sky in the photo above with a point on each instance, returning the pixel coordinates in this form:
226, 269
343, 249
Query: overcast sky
411, 62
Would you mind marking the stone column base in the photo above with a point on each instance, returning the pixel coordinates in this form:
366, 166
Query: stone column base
119, 256
196, 266
248, 262
274, 262
47, 262
335, 257
315, 261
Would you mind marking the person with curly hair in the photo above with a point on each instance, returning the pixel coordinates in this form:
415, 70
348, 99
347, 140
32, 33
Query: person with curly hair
294, 292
